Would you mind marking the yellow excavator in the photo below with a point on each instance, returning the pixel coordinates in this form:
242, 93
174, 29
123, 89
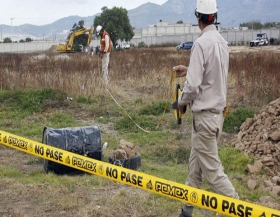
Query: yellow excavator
78, 39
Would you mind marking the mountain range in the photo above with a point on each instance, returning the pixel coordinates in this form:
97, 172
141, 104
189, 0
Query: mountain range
230, 14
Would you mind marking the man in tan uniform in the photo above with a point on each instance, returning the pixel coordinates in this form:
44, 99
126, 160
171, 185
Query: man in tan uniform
105, 49
205, 91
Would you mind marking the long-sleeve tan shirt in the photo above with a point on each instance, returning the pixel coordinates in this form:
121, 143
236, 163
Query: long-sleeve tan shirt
206, 80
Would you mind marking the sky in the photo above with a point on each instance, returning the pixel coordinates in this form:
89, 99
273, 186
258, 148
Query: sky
41, 12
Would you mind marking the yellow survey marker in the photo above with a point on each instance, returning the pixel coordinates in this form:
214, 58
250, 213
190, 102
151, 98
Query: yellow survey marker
200, 198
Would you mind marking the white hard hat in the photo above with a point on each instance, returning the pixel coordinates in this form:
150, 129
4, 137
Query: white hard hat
98, 29
206, 6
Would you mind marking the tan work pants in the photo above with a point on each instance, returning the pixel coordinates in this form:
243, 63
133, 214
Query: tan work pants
105, 64
204, 159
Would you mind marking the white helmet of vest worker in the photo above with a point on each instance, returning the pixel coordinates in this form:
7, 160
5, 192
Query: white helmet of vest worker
98, 29
206, 6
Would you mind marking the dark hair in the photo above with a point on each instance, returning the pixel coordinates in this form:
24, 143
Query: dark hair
207, 19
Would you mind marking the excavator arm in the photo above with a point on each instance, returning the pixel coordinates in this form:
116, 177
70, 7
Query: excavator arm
68, 47
90, 35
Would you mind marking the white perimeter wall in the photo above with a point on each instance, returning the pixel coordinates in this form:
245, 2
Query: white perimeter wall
160, 35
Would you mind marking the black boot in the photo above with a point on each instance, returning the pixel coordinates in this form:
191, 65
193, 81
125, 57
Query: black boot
187, 211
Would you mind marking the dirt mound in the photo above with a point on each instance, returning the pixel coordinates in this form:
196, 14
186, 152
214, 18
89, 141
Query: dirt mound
52, 49
260, 136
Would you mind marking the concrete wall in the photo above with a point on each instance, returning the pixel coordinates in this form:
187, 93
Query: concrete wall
34, 46
163, 28
26, 47
152, 36
234, 37
164, 33
244, 37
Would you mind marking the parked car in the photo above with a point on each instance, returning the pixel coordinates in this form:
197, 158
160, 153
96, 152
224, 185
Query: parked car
123, 45
261, 40
185, 46
126, 45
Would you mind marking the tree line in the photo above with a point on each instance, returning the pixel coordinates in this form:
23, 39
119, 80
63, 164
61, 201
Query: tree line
259, 25
9, 40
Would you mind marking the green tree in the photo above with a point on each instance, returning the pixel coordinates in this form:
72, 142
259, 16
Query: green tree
116, 22
7, 40
269, 25
252, 25
28, 39
81, 39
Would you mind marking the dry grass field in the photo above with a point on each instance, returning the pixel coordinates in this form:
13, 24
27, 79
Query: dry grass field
136, 75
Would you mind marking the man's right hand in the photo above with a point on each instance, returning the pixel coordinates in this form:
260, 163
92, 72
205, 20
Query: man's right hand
180, 70
182, 109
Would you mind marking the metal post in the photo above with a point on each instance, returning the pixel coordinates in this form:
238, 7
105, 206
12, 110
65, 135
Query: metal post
12, 21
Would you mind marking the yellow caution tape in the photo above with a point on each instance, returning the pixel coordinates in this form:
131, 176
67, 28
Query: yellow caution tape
177, 113
200, 198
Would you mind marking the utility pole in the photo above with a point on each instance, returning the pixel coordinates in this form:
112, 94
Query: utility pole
12, 21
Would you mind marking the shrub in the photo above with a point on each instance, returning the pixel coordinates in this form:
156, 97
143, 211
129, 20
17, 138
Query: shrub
141, 44
235, 119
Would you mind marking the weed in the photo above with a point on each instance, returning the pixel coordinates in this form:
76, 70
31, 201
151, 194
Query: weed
249, 74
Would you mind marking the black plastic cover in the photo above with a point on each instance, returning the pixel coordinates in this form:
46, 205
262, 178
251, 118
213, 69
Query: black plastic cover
85, 141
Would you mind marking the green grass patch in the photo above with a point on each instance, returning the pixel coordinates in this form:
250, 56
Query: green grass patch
156, 108
61, 119
233, 160
133, 124
164, 151
9, 172
32, 100
85, 100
